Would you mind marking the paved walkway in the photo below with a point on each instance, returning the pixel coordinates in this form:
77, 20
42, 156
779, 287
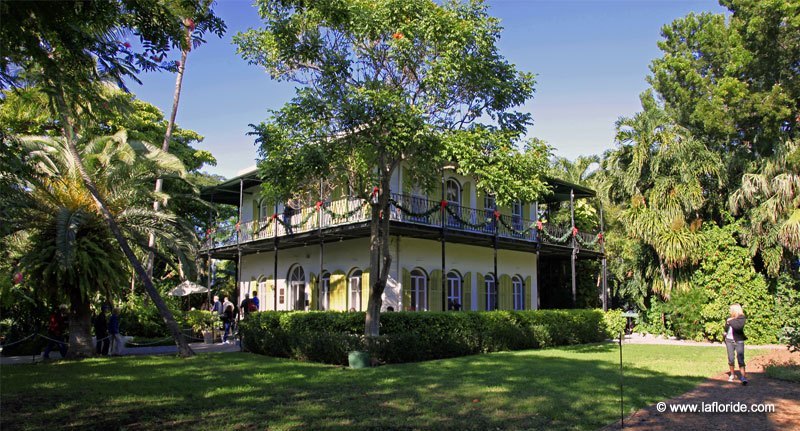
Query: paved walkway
130, 351
636, 338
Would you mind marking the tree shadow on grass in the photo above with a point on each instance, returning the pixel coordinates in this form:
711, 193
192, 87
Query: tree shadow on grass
510, 390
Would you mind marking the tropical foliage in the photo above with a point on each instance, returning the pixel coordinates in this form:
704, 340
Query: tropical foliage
385, 83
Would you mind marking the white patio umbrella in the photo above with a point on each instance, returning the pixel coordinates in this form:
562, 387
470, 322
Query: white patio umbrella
188, 288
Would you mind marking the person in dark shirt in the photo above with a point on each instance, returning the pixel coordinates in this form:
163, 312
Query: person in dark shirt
734, 341
55, 332
101, 332
245, 306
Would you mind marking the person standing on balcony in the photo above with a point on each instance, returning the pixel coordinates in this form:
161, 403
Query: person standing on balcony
288, 212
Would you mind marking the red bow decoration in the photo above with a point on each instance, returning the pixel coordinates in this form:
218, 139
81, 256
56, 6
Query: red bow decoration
600, 237
375, 191
318, 205
208, 231
237, 226
574, 231
497, 215
17, 278
539, 225
443, 204
274, 216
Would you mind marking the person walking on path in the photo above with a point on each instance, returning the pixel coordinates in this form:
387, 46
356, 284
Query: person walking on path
101, 332
113, 330
245, 306
255, 305
227, 320
734, 341
55, 332
217, 308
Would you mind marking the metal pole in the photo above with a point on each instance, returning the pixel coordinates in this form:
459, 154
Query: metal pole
604, 282
321, 249
275, 260
496, 276
574, 249
444, 235
238, 246
621, 396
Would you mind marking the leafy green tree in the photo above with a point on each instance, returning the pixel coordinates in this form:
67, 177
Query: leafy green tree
385, 83
663, 176
70, 252
734, 83
67, 48
770, 200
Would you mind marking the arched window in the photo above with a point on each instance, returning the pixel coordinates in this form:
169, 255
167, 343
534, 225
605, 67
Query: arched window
453, 192
419, 290
489, 206
325, 291
354, 289
453, 197
518, 288
491, 292
263, 209
297, 287
516, 215
454, 291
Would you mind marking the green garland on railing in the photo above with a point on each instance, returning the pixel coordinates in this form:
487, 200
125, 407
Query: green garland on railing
584, 243
262, 228
298, 224
518, 232
562, 240
457, 216
346, 214
408, 212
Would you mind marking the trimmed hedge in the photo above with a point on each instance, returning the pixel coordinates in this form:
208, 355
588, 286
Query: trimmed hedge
327, 336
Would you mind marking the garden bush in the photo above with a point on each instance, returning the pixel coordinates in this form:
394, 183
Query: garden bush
408, 336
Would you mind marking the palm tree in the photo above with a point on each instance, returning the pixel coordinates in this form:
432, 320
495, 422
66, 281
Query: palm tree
771, 198
71, 251
662, 174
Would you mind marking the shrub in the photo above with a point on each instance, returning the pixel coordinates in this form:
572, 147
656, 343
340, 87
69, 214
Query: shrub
409, 336
614, 323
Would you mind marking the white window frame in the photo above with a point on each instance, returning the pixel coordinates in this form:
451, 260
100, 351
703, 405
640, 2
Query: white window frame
354, 280
518, 292
454, 289
419, 290
325, 291
490, 284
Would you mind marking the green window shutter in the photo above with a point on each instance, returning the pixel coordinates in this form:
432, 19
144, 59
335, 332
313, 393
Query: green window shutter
466, 292
465, 192
481, 292
406, 289
314, 292
256, 210
435, 291
526, 295
506, 299
338, 291
365, 289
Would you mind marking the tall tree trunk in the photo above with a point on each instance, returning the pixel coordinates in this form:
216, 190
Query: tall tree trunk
80, 323
176, 99
66, 118
380, 257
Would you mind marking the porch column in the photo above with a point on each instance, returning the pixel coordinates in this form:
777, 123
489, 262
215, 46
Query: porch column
574, 246
604, 281
275, 258
444, 239
239, 242
494, 251
321, 249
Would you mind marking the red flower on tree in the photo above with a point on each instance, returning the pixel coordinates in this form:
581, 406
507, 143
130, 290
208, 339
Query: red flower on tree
397, 36
539, 225
574, 231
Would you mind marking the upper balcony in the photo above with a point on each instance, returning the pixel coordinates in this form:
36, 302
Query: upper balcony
410, 215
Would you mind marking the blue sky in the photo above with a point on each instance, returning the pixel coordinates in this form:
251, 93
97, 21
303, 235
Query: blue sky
590, 59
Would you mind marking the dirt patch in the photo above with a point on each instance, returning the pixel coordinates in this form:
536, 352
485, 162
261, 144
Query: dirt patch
761, 391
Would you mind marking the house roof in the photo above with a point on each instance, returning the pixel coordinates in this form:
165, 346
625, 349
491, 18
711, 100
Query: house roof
228, 192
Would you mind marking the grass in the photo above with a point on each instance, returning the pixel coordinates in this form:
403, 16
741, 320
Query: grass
574, 388
787, 371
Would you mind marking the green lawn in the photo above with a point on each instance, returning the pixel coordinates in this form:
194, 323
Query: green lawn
567, 388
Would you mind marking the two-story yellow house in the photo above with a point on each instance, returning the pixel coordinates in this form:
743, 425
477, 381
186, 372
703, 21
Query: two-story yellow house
453, 248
